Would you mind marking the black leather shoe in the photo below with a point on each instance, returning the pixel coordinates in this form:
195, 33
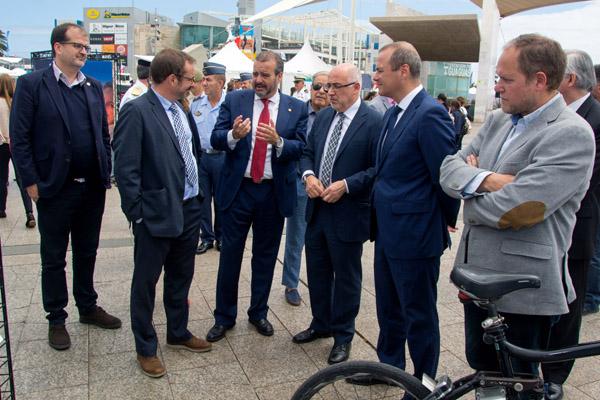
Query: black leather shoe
204, 247
216, 333
263, 327
554, 391
339, 353
309, 335
58, 337
218, 245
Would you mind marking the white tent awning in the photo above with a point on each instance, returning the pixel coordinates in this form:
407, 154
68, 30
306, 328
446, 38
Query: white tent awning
233, 59
305, 62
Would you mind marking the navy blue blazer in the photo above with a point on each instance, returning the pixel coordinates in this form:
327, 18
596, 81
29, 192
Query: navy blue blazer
149, 166
290, 125
354, 161
412, 212
40, 132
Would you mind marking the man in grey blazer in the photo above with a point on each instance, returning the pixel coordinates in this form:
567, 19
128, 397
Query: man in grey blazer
522, 180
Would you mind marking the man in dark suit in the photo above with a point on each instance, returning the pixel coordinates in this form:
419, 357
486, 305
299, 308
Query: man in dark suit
60, 146
338, 167
412, 214
157, 151
575, 87
257, 186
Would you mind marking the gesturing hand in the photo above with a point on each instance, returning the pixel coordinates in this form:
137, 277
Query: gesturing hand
267, 133
241, 127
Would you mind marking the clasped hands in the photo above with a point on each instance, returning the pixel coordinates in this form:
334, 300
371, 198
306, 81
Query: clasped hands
314, 188
492, 182
265, 132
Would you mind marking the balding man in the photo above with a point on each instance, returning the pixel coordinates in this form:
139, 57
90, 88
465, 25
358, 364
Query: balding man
522, 179
578, 81
338, 167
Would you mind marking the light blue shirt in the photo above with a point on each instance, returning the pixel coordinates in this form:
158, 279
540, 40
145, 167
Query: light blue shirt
520, 124
206, 117
190, 190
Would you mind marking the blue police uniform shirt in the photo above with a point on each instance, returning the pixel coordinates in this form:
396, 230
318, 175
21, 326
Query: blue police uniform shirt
205, 116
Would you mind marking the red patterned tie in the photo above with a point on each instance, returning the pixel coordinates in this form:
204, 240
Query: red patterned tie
259, 155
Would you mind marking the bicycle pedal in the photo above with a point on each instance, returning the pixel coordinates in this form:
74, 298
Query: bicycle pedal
438, 387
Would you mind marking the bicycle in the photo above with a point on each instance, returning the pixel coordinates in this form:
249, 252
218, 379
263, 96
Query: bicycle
483, 288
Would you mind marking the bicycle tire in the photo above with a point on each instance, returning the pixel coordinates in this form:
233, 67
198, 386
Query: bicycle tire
399, 381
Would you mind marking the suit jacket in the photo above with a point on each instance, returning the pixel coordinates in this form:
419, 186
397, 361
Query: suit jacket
149, 166
290, 125
412, 212
354, 161
41, 135
584, 234
526, 226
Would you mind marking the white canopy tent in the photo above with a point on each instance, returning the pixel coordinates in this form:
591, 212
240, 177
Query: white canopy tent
233, 59
305, 63
16, 72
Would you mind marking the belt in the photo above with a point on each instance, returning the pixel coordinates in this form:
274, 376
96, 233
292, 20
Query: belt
211, 151
262, 181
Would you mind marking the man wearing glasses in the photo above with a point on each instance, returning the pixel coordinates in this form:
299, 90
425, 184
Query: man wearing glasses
60, 145
295, 226
157, 152
338, 167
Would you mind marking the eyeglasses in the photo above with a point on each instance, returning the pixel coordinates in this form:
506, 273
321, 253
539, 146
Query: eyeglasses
192, 79
336, 86
79, 46
317, 86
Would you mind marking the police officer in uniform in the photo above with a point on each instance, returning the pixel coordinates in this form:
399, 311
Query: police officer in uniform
246, 80
301, 92
140, 86
205, 111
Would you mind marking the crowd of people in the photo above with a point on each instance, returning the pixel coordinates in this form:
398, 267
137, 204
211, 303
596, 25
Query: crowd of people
341, 171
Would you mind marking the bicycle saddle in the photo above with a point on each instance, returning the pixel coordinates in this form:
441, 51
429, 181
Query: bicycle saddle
486, 284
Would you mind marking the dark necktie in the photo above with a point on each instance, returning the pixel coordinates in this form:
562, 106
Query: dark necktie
259, 154
327, 164
191, 172
390, 125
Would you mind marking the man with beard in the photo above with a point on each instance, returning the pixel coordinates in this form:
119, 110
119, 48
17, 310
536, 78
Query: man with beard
295, 226
157, 150
263, 133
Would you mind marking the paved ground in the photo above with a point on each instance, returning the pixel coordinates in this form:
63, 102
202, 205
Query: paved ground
101, 364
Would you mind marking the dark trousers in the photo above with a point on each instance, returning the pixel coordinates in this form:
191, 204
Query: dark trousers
4, 161
334, 273
254, 206
76, 211
406, 294
566, 331
528, 331
177, 255
208, 178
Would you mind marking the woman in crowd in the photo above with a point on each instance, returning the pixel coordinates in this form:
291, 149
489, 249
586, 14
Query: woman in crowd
7, 88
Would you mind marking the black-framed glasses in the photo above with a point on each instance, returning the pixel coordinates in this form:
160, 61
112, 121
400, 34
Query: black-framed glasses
79, 46
336, 86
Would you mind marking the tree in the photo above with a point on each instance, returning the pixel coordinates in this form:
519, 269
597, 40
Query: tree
3, 43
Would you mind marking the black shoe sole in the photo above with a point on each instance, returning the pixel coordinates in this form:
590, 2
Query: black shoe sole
59, 347
84, 320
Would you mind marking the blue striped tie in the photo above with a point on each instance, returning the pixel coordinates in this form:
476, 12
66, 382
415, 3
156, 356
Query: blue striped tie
191, 172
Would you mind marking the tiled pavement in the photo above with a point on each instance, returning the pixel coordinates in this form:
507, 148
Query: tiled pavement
101, 364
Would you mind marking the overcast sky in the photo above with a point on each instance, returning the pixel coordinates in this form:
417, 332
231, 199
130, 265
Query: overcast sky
573, 25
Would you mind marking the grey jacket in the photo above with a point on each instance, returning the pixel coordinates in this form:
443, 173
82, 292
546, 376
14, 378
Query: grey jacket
526, 226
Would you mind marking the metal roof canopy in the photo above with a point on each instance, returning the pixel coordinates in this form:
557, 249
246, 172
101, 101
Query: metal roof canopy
436, 37
510, 7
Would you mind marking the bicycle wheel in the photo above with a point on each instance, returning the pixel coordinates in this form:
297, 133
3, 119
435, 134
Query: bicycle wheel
332, 383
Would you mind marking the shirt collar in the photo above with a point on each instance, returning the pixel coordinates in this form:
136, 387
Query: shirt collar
311, 109
166, 103
352, 110
274, 99
577, 103
60, 76
405, 102
206, 103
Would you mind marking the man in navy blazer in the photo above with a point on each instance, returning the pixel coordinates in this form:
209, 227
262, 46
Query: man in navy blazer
412, 214
262, 133
157, 153
61, 150
338, 168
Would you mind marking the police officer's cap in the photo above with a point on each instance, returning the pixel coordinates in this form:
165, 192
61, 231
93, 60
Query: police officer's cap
245, 76
299, 79
213, 68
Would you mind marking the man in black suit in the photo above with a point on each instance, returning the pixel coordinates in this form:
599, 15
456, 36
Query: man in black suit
157, 149
576, 86
262, 133
338, 167
60, 146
